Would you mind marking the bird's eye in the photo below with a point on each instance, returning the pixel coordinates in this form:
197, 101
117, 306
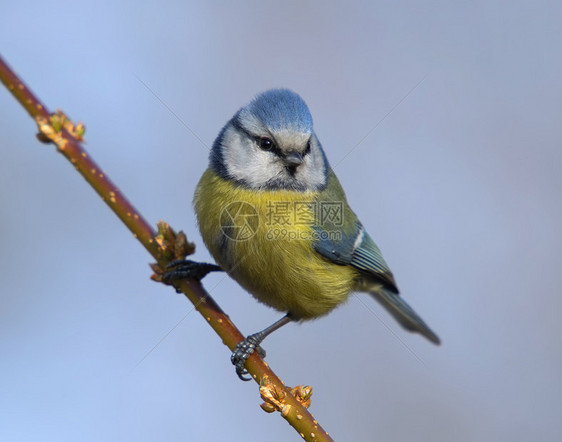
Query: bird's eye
307, 150
265, 144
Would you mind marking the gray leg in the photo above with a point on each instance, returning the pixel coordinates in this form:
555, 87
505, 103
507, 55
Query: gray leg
245, 348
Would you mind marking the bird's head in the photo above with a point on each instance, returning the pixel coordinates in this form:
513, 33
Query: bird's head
270, 144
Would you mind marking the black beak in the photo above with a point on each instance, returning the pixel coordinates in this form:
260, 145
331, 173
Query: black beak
293, 159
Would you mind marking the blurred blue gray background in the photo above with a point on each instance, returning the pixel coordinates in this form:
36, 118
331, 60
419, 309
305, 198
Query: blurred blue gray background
460, 185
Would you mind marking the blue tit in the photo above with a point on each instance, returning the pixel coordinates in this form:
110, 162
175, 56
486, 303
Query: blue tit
274, 216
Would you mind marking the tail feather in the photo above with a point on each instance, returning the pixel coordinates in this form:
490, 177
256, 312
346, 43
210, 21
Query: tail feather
404, 314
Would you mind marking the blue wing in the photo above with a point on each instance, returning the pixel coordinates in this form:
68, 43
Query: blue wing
355, 248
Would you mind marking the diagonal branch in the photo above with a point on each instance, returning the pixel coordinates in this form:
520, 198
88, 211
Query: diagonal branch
67, 140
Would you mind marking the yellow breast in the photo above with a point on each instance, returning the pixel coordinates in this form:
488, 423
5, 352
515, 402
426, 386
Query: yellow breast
264, 240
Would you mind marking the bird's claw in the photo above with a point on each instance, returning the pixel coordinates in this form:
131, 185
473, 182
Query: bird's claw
184, 268
242, 352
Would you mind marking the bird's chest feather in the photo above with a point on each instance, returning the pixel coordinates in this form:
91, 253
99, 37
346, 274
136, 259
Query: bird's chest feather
264, 240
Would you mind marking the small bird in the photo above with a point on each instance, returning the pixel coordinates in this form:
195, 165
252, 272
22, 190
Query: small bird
274, 216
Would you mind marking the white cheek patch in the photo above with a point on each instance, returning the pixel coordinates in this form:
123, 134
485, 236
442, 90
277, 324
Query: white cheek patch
244, 162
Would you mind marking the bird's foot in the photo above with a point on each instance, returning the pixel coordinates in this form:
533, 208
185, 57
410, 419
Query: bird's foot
184, 268
242, 352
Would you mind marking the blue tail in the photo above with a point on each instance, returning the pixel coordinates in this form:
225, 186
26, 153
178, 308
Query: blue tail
404, 314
